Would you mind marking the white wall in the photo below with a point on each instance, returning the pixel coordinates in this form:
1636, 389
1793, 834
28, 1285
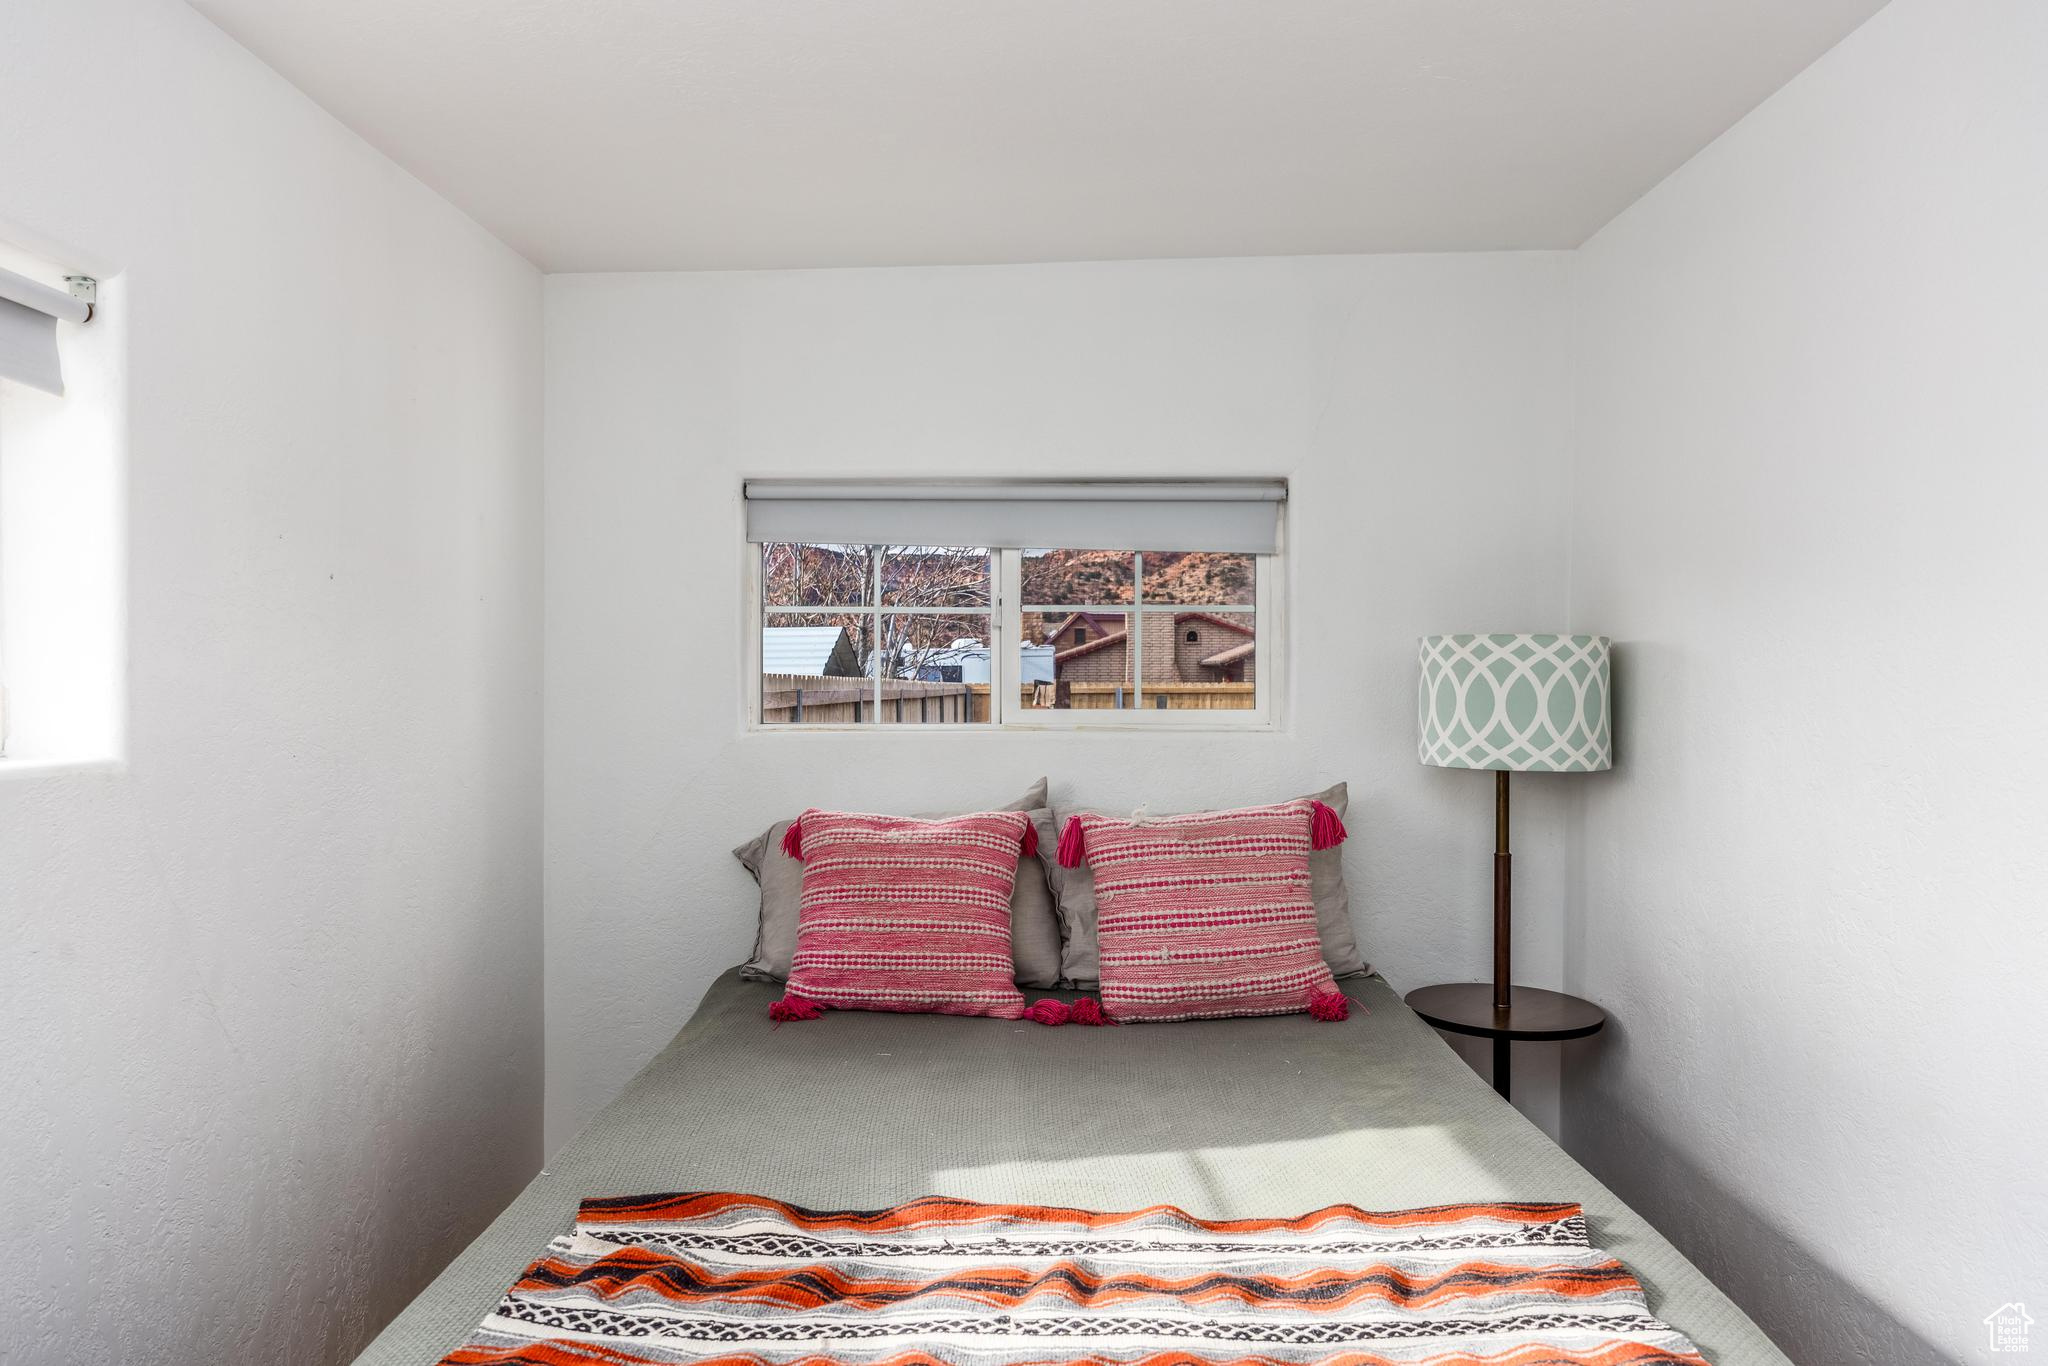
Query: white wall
1419, 403
272, 1039
1813, 464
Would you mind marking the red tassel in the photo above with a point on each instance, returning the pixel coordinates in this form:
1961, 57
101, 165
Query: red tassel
1087, 1011
794, 1008
1030, 847
1049, 1012
793, 839
1069, 851
1329, 1005
1325, 830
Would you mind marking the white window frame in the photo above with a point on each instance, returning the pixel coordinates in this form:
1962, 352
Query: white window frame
1006, 632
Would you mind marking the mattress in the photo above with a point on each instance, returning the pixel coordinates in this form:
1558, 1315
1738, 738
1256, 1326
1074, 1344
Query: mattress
1225, 1118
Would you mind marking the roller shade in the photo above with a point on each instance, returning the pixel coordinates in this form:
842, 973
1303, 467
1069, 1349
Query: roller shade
1240, 515
29, 313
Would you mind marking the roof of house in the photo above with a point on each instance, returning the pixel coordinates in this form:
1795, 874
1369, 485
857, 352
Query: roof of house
803, 649
1089, 647
1092, 618
1230, 656
1213, 620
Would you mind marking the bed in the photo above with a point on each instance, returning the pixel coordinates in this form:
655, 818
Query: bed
1228, 1118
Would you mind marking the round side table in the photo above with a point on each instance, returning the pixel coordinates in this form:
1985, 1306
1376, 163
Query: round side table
1533, 1015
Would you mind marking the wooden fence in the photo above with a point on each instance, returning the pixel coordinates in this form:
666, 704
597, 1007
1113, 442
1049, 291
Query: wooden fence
1118, 696
812, 700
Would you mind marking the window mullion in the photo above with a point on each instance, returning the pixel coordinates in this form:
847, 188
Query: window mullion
880, 654
1137, 650
1006, 623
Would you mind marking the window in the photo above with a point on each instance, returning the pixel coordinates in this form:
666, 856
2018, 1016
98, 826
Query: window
61, 501
857, 632
891, 634
1124, 631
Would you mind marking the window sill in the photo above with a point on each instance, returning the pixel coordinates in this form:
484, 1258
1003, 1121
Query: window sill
1037, 728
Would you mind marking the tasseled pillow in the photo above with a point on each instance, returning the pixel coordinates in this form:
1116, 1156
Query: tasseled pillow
905, 914
1209, 914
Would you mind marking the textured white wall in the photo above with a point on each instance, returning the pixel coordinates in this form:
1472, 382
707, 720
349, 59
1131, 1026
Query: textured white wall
1419, 403
272, 989
1813, 465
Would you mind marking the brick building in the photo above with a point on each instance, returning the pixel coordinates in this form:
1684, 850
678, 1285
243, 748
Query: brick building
1180, 647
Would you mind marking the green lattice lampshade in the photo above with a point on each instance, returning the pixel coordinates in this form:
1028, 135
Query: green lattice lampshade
1528, 704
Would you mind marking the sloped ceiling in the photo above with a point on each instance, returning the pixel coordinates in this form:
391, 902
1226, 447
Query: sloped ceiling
706, 134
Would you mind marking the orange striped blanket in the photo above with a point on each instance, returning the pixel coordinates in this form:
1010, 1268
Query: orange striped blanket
741, 1280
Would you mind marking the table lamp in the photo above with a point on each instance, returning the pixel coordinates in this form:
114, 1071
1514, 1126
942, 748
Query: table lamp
1512, 704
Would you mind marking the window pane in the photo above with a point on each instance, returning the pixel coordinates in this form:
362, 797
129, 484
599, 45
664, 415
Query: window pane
935, 668
1078, 660
1199, 661
795, 575
1199, 578
1055, 578
814, 669
935, 576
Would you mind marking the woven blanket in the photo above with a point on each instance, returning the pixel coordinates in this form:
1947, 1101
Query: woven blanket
739, 1279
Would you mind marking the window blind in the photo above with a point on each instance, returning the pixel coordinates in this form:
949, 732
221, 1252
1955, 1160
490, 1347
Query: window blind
29, 313
1237, 515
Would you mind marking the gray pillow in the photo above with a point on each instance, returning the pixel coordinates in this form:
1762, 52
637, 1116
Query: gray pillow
1034, 927
1073, 890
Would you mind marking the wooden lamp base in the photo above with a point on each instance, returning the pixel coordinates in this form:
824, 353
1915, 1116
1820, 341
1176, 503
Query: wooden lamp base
1502, 1011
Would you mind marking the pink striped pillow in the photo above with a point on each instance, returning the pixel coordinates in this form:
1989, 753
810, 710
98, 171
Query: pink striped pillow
905, 914
1209, 914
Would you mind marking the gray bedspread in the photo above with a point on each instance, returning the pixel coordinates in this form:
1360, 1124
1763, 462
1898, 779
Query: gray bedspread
1226, 1118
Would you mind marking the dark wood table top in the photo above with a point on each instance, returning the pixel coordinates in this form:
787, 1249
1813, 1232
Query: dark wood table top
1533, 1013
